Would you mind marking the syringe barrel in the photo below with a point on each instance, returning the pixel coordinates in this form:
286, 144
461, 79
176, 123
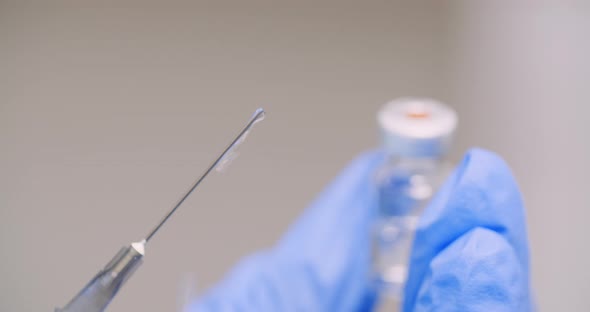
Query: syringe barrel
99, 292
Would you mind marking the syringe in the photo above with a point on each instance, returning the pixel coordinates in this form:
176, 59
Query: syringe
99, 292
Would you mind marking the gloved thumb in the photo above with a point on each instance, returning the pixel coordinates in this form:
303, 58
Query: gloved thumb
473, 230
478, 272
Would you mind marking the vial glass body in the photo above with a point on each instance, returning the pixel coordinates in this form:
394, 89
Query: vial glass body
405, 187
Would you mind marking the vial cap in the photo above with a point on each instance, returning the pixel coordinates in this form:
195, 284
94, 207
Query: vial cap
416, 127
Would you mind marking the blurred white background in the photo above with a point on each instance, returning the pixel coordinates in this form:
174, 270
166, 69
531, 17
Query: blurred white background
108, 111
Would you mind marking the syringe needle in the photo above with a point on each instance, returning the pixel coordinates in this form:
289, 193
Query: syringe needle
220, 161
99, 292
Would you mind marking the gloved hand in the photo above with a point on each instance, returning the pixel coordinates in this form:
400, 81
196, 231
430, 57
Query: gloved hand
470, 251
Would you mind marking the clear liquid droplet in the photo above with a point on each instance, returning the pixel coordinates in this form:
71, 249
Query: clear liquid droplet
259, 115
233, 151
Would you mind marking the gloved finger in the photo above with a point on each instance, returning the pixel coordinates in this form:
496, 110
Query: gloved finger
481, 193
321, 264
480, 271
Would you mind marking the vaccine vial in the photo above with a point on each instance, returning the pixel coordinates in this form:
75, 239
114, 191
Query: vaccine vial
416, 135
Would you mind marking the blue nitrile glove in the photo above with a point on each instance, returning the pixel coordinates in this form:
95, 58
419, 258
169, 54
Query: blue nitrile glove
470, 252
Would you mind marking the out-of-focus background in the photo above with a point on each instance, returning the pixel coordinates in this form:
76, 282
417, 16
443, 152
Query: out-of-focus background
109, 111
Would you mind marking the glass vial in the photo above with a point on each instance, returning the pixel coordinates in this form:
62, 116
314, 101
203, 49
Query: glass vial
416, 135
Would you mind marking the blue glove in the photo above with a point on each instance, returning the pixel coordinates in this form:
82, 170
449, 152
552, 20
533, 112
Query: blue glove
470, 251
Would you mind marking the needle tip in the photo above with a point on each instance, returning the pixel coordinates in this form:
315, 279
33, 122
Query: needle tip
259, 115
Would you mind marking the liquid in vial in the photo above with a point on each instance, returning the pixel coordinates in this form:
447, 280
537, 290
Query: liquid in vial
416, 136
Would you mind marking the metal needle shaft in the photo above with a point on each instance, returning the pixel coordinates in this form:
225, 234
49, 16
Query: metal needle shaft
258, 116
